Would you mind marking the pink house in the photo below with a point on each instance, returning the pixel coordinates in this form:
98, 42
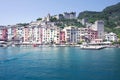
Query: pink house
62, 37
26, 34
92, 34
4, 34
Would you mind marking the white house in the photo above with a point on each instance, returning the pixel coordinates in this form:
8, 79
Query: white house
111, 37
72, 34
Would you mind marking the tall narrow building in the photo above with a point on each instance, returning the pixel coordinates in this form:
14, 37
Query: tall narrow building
99, 27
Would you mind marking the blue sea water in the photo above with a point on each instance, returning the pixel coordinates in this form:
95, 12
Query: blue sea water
59, 63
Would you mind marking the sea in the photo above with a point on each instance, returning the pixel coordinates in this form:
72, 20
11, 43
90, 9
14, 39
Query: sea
59, 63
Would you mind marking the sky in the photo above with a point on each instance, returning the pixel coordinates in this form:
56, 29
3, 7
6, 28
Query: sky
25, 11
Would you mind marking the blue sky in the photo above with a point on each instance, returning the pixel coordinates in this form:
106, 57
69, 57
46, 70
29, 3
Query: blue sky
20, 11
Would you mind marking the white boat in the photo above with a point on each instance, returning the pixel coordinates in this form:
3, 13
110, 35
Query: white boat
90, 47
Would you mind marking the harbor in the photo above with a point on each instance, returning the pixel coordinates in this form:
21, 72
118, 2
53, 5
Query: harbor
87, 46
60, 40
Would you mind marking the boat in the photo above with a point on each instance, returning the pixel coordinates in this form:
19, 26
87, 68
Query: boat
91, 47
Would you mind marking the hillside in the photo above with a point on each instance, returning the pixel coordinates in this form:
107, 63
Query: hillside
110, 15
66, 22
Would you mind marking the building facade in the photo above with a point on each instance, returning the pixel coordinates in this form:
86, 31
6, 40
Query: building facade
71, 15
62, 37
99, 27
46, 32
71, 34
3, 33
111, 37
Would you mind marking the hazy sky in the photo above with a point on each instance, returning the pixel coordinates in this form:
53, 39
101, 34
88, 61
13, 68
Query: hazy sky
19, 11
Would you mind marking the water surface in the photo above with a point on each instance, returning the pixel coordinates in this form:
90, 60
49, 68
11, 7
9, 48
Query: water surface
59, 63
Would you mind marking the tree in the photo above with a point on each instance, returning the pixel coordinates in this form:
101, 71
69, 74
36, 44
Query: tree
39, 19
80, 42
53, 19
119, 41
23, 24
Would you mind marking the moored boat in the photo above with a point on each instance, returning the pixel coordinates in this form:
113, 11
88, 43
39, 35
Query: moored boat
89, 47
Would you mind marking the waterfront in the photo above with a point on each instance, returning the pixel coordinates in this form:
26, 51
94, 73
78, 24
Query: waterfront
59, 63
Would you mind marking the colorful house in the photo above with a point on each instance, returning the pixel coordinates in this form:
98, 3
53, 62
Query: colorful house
3, 33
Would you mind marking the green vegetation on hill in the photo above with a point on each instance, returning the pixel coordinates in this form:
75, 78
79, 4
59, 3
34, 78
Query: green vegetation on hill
71, 22
91, 15
38, 19
23, 24
110, 15
66, 22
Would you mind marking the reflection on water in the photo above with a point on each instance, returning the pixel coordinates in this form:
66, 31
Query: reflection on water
59, 63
